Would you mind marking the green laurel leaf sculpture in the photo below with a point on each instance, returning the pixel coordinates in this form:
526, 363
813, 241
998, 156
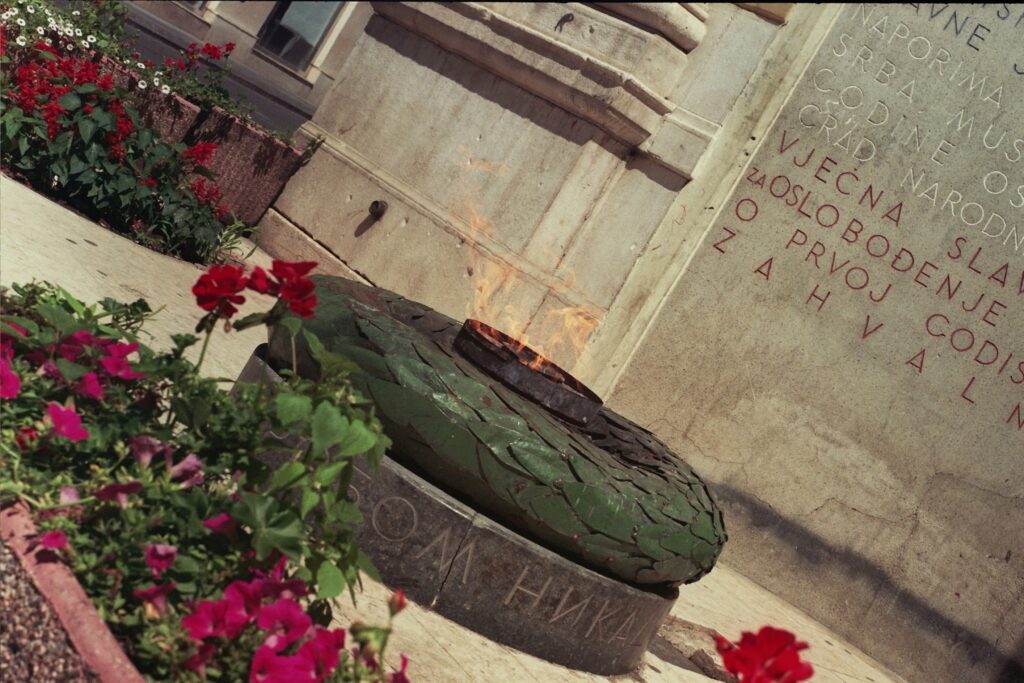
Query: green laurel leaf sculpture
609, 495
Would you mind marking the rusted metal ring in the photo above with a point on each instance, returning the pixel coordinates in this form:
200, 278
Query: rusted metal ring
506, 359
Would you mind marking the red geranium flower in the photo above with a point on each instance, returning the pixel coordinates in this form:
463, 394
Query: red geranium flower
290, 283
771, 656
218, 289
66, 422
159, 558
397, 602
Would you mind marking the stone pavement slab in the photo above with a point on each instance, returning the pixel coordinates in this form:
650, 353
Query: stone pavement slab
42, 240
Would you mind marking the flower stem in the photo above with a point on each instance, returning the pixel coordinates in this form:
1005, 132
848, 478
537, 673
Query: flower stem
202, 352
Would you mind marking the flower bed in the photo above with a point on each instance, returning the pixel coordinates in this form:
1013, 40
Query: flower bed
146, 480
251, 166
105, 137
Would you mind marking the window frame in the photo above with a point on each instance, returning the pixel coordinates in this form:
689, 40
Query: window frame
308, 62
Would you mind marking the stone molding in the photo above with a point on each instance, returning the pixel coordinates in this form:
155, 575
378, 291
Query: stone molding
681, 23
583, 85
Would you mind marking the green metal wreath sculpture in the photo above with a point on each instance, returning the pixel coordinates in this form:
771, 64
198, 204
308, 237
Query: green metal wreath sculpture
608, 494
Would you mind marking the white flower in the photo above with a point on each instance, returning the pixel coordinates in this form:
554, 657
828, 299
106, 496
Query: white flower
165, 89
20, 22
156, 81
13, 11
20, 40
69, 33
140, 65
40, 30
142, 85
85, 45
78, 32
91, 39
46, 40
75, 13
30, 9
48, 12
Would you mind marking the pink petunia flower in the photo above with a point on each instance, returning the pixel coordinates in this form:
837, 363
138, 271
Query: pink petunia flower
90, 386
206, 620
286, 622
159, 558
54, 540
269, 667
189, 471
322, 651
119, 492
10, 383
66, 422
145, 447
68, 494
156, 596
400, 675
243, 605
197, 662
221, 524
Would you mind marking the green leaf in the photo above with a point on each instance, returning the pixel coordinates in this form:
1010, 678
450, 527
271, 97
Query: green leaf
293, 407
364, 563
286, 476
71, 371
70, 101
292, 324
358, 439
87, 89
326, 474
310, 498
330, 582
87, 128
329, 427
77, 165
272, 528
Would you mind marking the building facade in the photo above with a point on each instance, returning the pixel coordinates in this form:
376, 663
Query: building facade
789, 240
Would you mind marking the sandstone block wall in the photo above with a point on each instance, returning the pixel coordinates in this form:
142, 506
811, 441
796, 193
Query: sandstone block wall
844, 355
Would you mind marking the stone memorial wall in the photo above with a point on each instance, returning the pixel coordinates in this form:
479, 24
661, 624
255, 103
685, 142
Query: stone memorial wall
844, 355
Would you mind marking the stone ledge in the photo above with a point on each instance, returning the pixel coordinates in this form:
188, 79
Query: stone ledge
587, 87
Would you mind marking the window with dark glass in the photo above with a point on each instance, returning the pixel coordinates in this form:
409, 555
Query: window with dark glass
294, 30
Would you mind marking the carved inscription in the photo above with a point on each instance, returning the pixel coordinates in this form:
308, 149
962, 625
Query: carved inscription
891, 195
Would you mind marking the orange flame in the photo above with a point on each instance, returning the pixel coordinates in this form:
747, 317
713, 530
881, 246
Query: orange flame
566, 329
